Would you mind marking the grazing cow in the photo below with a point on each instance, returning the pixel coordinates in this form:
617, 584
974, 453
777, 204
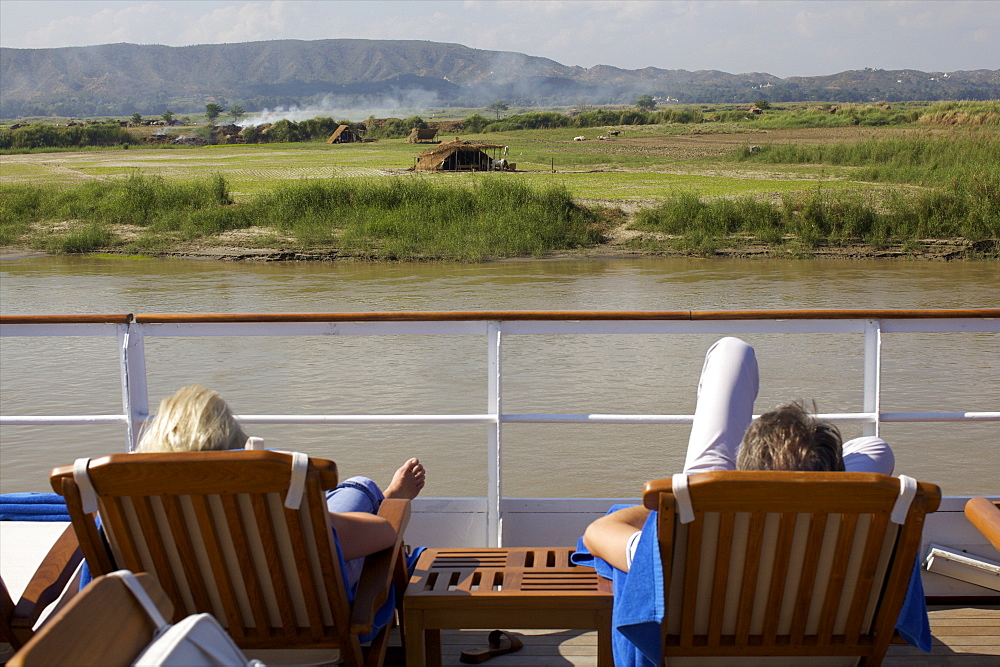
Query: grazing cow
602, 138
614, 133
579, 138
755, 149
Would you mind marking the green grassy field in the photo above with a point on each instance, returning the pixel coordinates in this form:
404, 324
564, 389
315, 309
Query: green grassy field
817, 185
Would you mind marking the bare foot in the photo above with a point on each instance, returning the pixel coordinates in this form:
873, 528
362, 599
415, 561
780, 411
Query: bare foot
408, 480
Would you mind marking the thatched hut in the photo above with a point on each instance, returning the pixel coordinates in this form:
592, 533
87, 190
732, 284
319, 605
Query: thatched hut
342, 135
459, 155
420, 134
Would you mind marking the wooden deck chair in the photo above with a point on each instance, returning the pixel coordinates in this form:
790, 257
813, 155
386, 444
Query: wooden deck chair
242, 535
786, 563
18, 620
103, 626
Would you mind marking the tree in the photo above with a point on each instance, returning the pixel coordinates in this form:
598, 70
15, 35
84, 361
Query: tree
237, 112
646, 103
168, 116
497, 107
212, 111
136, 118
762, 104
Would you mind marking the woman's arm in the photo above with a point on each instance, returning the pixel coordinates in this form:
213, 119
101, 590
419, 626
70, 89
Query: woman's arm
608, 536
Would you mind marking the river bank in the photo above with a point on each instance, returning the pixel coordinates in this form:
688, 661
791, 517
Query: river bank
930, 250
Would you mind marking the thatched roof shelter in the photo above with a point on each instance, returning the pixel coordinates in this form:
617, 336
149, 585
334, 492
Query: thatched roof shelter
458, 155
342, 135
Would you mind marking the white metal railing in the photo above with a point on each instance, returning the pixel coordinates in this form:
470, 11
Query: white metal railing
131, 332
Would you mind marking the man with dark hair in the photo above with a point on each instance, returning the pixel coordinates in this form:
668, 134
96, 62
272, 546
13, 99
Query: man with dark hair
723, 438
789, 438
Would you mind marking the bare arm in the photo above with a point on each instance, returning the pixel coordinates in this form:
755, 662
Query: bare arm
361, 534
607, 537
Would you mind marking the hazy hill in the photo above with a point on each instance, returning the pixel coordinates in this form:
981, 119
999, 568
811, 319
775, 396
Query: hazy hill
121, 79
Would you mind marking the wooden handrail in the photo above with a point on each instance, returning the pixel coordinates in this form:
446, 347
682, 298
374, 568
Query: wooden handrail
511, 315
985, 516
590, 315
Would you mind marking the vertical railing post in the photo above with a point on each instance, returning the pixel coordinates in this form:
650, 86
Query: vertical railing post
873, 375
494, 520
135, 398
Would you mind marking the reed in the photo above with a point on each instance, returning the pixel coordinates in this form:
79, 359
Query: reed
417, 219
968, 209
409, 218
917, 160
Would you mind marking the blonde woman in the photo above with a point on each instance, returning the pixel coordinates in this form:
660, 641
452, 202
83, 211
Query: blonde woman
196, 419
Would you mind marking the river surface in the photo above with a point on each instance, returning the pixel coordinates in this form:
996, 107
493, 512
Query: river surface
445, 375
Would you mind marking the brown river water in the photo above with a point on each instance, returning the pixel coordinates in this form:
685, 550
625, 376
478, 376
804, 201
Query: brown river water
443, 375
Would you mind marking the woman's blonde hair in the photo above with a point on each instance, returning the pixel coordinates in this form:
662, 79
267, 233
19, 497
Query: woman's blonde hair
193, 419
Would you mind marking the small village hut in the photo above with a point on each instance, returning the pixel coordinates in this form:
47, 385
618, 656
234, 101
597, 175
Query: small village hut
342, 135
459, 155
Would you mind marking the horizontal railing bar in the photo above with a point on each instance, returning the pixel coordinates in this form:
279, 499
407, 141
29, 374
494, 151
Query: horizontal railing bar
368, 419
255, 328
66, 319
67, 420
60, 329
641, 327
415, 316
939, 416
519, 418
943, 325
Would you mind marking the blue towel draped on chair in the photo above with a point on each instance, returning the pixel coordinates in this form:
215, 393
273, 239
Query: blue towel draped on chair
639, 606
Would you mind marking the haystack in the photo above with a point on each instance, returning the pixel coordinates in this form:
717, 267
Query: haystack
419, 134
458, 155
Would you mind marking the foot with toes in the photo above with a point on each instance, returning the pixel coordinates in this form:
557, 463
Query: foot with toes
407, 481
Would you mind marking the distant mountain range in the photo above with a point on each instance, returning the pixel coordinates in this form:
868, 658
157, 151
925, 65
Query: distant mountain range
121, 79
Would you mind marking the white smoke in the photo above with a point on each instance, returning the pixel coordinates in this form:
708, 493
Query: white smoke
356, 108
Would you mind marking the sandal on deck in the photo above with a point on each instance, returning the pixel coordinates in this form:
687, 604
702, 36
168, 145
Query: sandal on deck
500, 643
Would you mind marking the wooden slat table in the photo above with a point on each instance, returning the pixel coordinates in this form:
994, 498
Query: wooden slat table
502, 588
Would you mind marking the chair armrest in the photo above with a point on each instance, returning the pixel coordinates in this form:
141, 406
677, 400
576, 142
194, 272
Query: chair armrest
377, 574
47, 583
985, 516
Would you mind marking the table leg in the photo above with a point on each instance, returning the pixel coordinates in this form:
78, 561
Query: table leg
605, 655
414, 638
432, 639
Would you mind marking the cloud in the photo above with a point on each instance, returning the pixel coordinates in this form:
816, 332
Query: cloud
147, 23
241, 22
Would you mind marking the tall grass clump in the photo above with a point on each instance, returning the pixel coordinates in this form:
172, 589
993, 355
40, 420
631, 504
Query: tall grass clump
916, 160
961, 113
968, 209
85, 214
418, 219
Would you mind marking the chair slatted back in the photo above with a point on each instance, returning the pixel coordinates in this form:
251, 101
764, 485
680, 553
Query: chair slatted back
212, 527
786, 563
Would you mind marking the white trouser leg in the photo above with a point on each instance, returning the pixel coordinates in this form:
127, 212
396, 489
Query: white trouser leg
726, 393
868, 454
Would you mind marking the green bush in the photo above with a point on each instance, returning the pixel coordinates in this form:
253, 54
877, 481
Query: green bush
39, 135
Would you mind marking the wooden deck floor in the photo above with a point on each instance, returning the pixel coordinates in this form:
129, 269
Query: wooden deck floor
965, 636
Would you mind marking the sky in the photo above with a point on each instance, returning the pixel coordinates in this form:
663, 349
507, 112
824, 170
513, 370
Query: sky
783, 38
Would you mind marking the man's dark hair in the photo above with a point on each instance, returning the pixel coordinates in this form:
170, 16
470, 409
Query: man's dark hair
790, 438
